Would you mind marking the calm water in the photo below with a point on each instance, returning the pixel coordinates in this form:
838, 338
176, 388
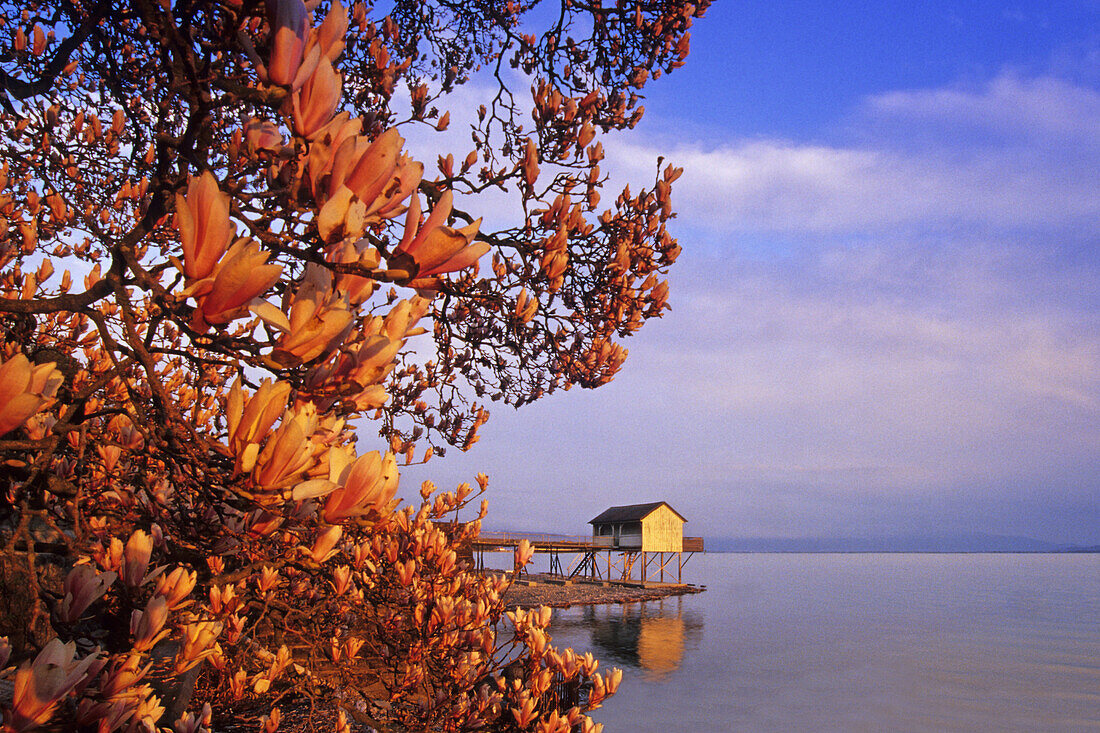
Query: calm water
856, 643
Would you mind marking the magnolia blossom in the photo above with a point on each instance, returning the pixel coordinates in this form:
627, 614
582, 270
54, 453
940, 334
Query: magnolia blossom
287, 455
530, 163
357, 181
329, 36
288, 23
292, 52
242, 275
315, 103
248, 424
262, 135
271, 721
25, 389
122, 675
202, 218
319, 319
325, 149
135, 558
382, 177
360, 367
525, 714
40, 685
198, 723
176, 586
358, 289
325, 545
436, 248
83, 586
147, 627
526, 306
261, 523
222, 279
523, 553
368, 482
199, 641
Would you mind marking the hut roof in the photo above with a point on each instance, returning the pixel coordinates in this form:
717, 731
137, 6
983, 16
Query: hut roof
631, 513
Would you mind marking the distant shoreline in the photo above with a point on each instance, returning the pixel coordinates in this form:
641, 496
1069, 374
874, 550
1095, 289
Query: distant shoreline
1081, 551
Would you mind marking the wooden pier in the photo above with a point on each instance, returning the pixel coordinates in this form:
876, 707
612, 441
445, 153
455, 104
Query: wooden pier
594, 558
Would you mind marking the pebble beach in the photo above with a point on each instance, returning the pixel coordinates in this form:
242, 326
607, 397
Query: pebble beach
543, 590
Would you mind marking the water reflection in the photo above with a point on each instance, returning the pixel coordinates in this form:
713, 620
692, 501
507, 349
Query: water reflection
856, 643
650, 635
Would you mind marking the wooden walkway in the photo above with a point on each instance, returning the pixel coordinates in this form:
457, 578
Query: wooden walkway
587, 563
496, 541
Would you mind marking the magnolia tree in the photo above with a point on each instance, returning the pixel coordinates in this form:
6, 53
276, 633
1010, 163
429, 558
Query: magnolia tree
213, 254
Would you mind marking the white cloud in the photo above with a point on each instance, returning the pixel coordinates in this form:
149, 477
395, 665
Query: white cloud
1016, 153
901, 327
776, 392
787, 188
777, 339
1043, 106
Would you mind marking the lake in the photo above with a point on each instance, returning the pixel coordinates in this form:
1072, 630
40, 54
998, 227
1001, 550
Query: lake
856, 642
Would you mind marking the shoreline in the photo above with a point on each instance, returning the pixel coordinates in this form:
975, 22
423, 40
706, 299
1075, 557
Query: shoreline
541, 589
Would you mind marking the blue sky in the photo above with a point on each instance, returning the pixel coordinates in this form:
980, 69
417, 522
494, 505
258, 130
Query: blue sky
886, 319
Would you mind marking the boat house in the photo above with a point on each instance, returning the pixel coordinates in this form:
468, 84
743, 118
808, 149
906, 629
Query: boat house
653, 527
649, 536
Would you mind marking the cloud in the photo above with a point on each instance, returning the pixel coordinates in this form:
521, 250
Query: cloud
1039, 108
499, 209
794, 397
1012, 154
908, 319
899, 329
781, 400
908, 361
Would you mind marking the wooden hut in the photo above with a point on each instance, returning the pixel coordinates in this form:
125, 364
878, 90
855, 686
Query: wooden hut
637, 535
653, 527
643, 535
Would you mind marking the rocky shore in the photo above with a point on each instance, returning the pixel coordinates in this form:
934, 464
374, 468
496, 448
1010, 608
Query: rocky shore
545, 590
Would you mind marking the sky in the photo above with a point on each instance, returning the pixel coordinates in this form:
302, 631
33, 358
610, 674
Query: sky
886, 317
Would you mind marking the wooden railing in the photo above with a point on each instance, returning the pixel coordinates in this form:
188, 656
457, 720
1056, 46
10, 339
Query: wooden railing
693, 544
514, 537
628, 542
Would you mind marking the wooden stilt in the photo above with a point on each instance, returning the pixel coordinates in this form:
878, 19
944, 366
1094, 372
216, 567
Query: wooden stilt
589, 565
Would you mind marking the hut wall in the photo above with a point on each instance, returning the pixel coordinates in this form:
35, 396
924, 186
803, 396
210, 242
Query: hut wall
662, 531
630, 534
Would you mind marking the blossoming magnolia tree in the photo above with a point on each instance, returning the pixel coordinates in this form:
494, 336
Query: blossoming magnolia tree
188, 526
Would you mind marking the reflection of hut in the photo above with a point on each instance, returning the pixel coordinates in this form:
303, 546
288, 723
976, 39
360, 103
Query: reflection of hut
654, 527
652, 635
661, 643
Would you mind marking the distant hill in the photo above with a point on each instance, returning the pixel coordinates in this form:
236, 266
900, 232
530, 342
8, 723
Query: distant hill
976, 542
